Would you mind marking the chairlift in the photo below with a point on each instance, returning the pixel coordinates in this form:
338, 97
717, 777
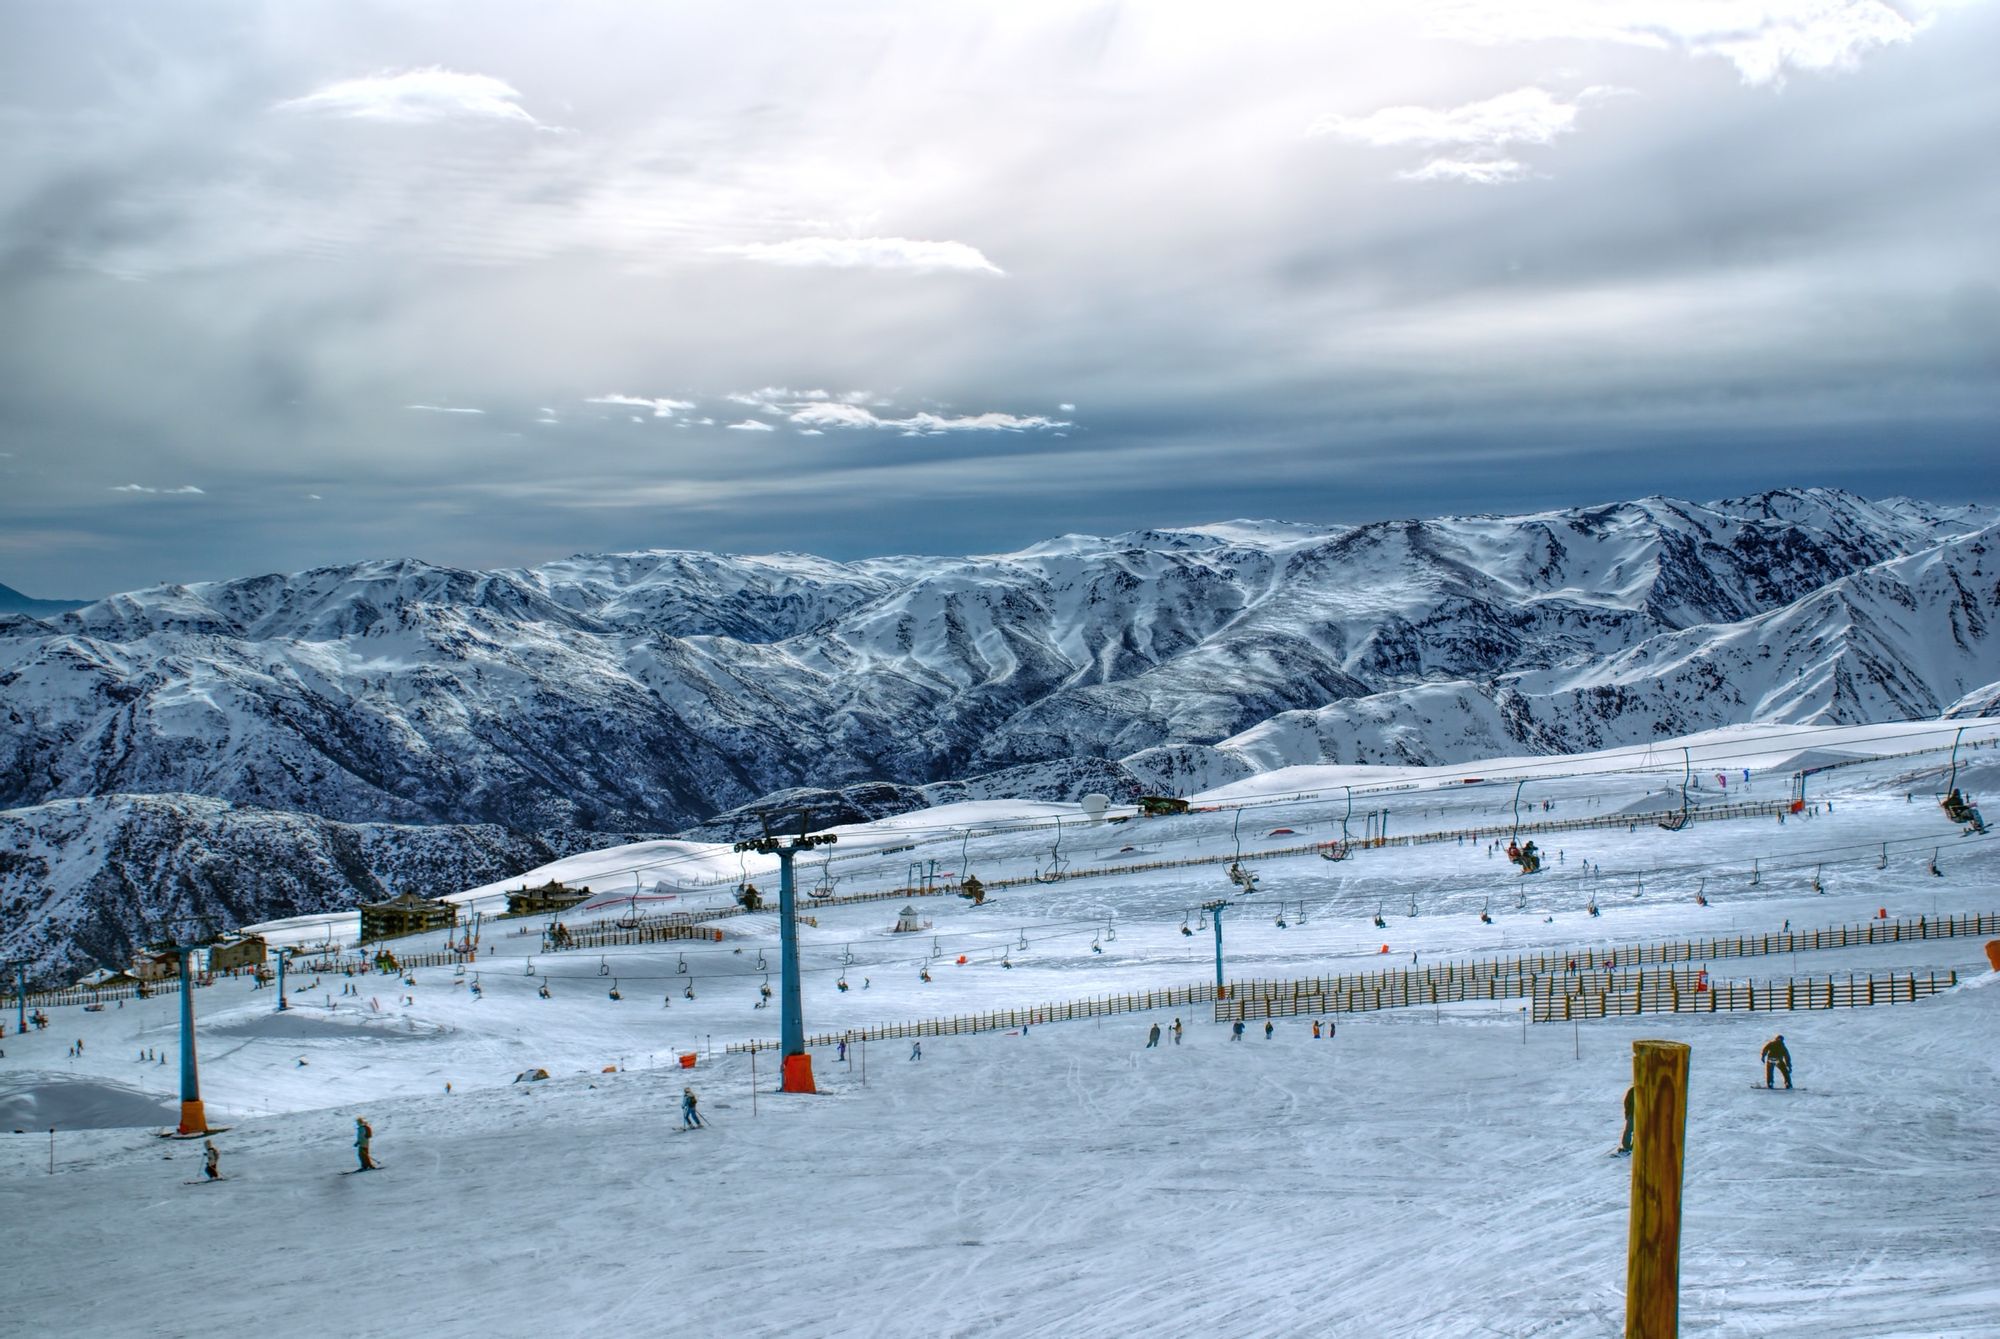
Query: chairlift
1486, 913
1338, 850
1202, 924
1096, 947
1023, 945
1110, 933
822, 890
1523, 854
681, 968
1184, 926
1005, 961
603, 967
1755, 876
1413, 903
1281, 916
847, 955
1700, 892
924, 974
936, 952
543, 990
1380, 924
614, 989
1675, 822
761, 965
1882, 861
1053, 873
1936, 873
1816, 885
531, 967
630, 920
687, 990
1956, 807
841, 984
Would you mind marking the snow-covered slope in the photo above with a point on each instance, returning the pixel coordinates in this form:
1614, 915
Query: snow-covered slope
646, 692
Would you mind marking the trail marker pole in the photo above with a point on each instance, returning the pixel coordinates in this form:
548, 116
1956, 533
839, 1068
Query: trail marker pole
1653, 1243
753, 1078
282, 1006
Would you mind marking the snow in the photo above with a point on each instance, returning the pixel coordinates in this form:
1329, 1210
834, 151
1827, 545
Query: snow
1425, 1172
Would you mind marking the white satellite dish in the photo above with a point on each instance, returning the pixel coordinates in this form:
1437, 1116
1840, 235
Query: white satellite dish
1094, 805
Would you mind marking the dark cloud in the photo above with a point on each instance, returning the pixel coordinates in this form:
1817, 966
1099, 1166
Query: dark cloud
236, 243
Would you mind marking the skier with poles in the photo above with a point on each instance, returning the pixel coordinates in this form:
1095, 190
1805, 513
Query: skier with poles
690, 1118
209, 1160
363, 1134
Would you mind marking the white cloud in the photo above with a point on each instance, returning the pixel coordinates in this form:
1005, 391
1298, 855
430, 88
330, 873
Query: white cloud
1524, 116
442, 409
869, 253
662, 408
923, 423
1762, 38
429, 94
767, 396
1065, 409
314, 497
811, 432
142, 488
751, 425
1480, 171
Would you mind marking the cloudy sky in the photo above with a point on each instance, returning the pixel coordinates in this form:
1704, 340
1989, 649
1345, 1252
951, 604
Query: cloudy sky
292, 283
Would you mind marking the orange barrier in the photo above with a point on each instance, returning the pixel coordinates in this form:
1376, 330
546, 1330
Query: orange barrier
1993, 953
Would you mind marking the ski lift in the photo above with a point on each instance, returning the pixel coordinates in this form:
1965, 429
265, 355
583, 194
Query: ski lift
1882, 861
1755, 876
1816, 885
1184, 925
543, 990
822, 890
1338, 850
614, 989
603, 968
1675, 822
1956, 807
1096, 947
1202, 924
1413, 902
1054, 871
924, 974
847, 955
1524, 855
1591, 906
841, 984
1700, 893
1110, 933
681, 968
1005, 961
1936, 873
1380, 924
531, 967
687, 990
1281, 916
1023, 945
936, 952
1486, 913
630, 920
764, 991
761, 966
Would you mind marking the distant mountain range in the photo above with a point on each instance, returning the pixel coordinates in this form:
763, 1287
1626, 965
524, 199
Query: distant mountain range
13, 602
555, 707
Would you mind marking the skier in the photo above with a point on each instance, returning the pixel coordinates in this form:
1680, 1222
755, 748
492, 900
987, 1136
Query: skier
1177, 1031
690, 1118
1268, 1026
1315, 1029
1153, 1036
363, 1133
1776, 1057
1236, 1031
916, 1050
209, 1159
1625, 1139
841, 1052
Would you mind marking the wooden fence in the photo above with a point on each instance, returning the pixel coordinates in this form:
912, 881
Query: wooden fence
1103, 1006
1559, 1002
1515, 977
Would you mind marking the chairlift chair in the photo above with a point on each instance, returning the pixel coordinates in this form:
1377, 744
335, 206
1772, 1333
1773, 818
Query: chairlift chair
614, 989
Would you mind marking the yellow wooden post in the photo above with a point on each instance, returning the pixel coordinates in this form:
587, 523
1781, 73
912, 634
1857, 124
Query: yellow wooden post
1653, 1242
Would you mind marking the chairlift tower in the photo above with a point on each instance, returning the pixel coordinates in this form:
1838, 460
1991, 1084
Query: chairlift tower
193, 1119
795, 1065
1215, 910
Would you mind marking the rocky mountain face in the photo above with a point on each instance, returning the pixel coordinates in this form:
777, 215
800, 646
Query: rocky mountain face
648, 692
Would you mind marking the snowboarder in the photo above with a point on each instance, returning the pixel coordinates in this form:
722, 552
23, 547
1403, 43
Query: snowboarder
1153, 1036
690, 1118
209, 1159
363, 1133
1268, 1027
1236, 1030
1625, 1139
1776, 1058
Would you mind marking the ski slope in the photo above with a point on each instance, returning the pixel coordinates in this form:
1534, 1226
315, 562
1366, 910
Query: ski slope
1424, 1172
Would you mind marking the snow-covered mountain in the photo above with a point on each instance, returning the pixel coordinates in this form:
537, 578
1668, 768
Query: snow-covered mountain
646, 692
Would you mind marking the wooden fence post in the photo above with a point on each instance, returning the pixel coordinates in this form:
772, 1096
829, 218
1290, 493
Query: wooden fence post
1653, 1241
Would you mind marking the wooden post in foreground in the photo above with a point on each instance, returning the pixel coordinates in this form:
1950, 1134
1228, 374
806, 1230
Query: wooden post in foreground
1653, 1244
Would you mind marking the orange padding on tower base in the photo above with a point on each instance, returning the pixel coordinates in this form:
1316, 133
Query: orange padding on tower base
1993, 953
193, 1119
798, 1075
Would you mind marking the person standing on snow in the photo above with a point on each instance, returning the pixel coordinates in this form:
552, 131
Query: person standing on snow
1236, 1031
1625, 1139
209, 1160
1776, 1057
1153, 1036
363, 1134
690, 1118
1268, 1026
916, 1050
1177, 1031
